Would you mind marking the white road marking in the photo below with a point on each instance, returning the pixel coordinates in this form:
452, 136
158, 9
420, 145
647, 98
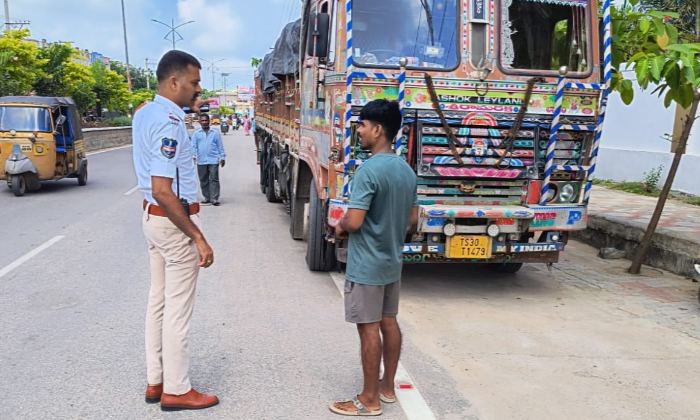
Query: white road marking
131, 191
411, 400
29, 255
97, 152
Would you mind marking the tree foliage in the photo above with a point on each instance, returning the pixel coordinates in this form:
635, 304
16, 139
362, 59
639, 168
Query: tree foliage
20, 64
255, 62
661, 56
110, 87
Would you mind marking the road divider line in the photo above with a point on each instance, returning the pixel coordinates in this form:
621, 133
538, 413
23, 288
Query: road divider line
29, 255
131, 191
111, 149
412, 402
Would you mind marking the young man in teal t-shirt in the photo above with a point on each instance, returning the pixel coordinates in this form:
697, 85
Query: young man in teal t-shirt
383, 204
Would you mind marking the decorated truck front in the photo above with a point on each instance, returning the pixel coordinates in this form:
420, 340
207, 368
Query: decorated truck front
503, 105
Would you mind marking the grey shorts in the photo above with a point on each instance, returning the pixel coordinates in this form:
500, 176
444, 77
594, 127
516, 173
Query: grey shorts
365, 304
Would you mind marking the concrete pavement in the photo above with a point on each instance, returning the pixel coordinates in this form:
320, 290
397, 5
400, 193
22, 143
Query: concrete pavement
268, 336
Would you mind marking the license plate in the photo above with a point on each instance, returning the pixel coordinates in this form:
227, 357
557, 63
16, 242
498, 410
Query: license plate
26, 147
463, 246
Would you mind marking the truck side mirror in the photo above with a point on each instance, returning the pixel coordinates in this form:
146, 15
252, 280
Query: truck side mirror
319, 28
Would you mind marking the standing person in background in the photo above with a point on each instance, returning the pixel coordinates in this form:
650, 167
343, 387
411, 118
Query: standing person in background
253, 125
177, 248
208, 152
383, 205
246, 125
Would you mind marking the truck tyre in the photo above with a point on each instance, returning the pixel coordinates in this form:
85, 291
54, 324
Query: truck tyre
270, 193
509, 268
320, 254
83, 176
263, 169
19, 186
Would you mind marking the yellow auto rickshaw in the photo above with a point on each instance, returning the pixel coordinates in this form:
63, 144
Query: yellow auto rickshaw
215, 119
40, 140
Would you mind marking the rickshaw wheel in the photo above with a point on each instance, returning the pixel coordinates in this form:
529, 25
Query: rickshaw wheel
19, 187
83, 177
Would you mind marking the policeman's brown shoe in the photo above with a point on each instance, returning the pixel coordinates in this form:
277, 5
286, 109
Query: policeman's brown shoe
193, 400
153, 393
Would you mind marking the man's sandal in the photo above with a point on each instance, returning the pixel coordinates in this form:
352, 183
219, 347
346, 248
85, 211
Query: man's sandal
386, 399
361, 409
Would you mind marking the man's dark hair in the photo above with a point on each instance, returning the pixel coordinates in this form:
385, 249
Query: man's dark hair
204, 116
175, 62
385, 113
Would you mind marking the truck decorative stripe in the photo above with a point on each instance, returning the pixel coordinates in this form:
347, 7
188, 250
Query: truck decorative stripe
585, 86
548, 168
607, 65
402, 102
348, 101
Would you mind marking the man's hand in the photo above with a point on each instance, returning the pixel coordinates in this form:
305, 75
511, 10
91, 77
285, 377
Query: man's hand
195, 160
340, 233
223, 163
206, 254
198, 103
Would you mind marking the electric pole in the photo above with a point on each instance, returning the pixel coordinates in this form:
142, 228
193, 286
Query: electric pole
7, 15
224, 76
212, 66
173, 29
126, 47
148, 75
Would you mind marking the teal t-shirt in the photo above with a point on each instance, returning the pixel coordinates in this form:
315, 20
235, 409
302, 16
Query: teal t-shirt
385, 186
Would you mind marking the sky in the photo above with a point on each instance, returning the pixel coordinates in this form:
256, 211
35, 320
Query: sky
232, 30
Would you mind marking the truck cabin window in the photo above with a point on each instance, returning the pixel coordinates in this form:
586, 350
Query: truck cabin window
544, 36
423, 31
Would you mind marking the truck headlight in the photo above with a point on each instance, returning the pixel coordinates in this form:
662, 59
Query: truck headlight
450, 229
493, 230
551, 193
568, 193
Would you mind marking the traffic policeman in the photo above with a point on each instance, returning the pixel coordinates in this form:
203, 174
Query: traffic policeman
167, 176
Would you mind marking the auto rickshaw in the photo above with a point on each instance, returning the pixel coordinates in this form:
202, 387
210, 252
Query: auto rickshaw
40, 140
215, 119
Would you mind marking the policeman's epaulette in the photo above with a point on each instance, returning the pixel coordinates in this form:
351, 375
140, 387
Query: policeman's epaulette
173, 118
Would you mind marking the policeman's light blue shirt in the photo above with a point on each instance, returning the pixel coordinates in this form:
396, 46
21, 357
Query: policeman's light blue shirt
162, 148
207, 147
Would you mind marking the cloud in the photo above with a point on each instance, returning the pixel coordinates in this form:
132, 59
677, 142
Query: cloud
218, 24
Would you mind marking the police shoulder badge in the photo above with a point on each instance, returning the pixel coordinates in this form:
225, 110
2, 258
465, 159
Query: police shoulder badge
168, 148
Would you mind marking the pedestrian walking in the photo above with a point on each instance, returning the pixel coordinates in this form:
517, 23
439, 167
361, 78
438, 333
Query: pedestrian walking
167, 176
246, 125
383, 206
208, 152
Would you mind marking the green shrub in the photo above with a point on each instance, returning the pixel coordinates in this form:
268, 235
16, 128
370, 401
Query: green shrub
118, 122
652, 178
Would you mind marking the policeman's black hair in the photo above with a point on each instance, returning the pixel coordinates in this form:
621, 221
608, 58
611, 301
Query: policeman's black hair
385, 113
175, 62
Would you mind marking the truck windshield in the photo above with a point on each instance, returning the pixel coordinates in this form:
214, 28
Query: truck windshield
423, 31
25, 119
545, 36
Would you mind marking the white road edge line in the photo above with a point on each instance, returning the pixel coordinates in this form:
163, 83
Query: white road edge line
97, 152
29, 255
131, 191
412, 401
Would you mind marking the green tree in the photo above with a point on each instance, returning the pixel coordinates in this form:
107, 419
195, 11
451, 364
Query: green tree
649, 42
140, 78
111, 89
140, 96
255, 62
206, 94
224, 110
19, 63
61, 76
84, 96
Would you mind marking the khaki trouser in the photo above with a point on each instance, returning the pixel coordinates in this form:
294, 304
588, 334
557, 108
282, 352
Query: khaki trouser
174, 274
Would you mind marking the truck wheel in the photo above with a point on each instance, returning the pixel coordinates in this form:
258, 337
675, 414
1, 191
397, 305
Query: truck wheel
83, 176
509, 268
270, 193
320, 254
19, 187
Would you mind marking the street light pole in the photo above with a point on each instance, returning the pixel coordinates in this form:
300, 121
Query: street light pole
126, 46
173, 29
212, 66
7, 15
224, 76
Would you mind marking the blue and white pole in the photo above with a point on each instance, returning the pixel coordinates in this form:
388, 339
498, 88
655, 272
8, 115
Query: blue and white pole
549, 165
348, 101
607, 68
403, 62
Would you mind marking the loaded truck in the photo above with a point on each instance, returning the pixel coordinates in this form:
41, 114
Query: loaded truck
503, 106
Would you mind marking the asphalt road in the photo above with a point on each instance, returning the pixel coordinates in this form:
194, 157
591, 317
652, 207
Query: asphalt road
268, 336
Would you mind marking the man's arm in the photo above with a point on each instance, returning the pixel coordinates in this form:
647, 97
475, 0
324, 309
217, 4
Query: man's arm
222, 153
353, 220
413, 226
168, 201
